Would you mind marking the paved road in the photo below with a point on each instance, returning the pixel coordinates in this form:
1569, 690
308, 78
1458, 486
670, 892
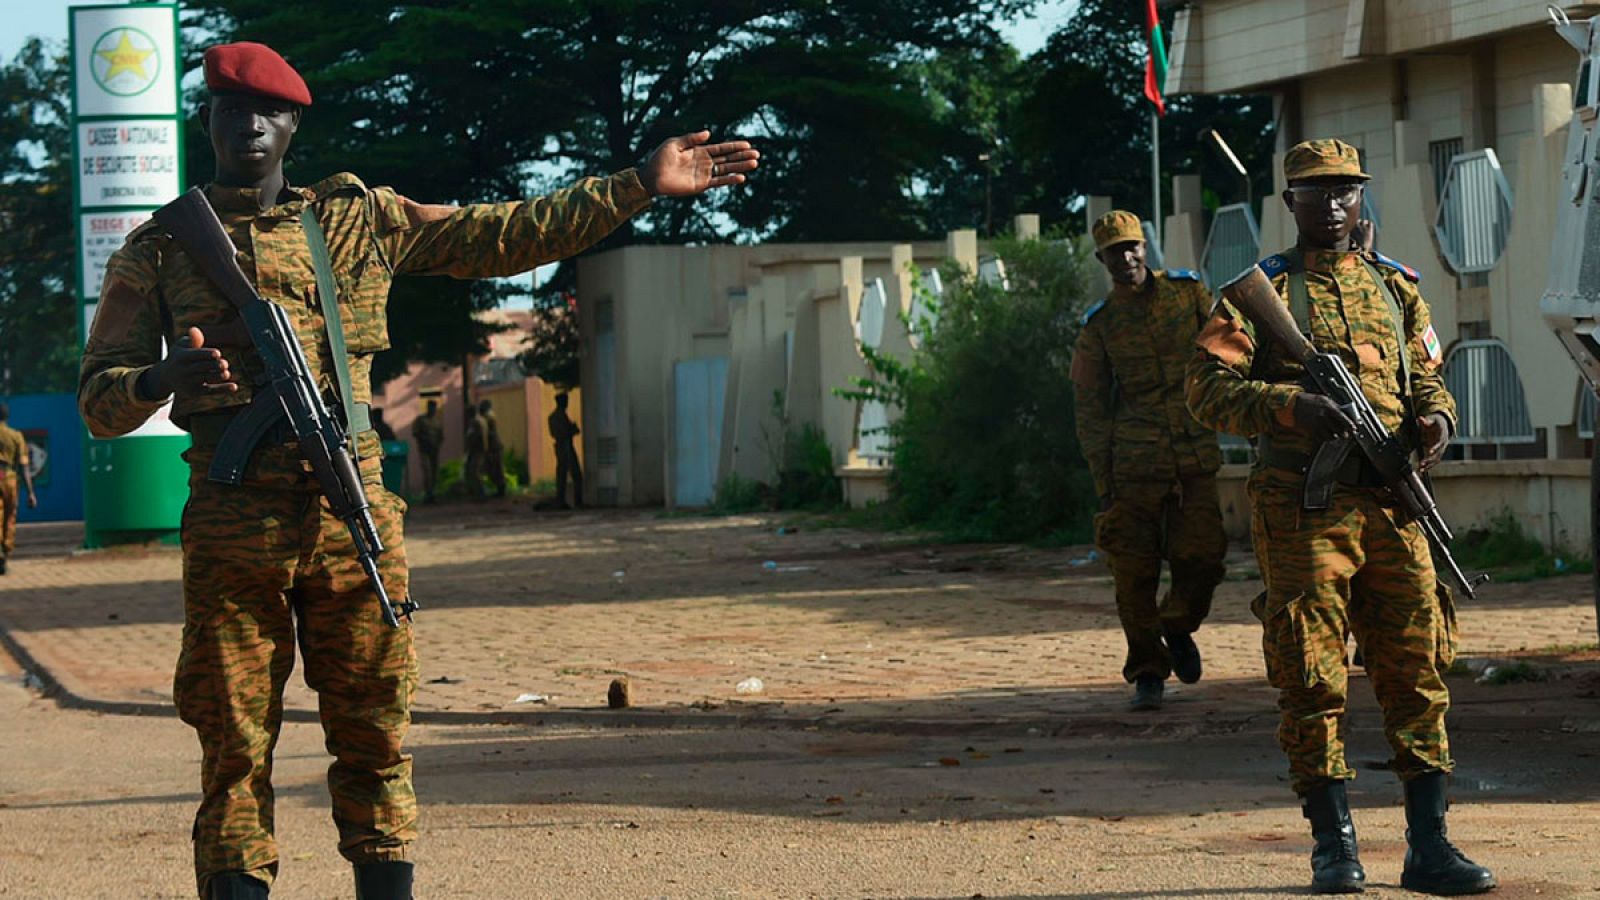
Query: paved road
855, 628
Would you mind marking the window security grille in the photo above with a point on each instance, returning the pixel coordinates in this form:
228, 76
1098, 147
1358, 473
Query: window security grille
1491, 407
1233, 244
1474, 213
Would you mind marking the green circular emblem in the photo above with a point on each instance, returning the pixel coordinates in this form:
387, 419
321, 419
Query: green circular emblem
125, 61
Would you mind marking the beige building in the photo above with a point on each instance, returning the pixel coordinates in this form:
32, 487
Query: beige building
697, 358
1460, 109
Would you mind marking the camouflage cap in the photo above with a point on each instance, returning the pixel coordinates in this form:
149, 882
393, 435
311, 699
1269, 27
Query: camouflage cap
1116, 227
1315, 159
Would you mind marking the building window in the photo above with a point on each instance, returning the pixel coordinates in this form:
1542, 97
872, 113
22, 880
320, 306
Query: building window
1439, 155
1586, 411
1232, 245
1474, 213
1491, 408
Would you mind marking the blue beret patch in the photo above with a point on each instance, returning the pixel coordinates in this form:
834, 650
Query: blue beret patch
1275, 264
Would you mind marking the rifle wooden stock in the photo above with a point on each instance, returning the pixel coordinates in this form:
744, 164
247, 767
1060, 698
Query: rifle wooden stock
1251, 293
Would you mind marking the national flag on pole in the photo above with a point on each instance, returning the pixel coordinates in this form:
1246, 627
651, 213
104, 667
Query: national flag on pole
1155, 65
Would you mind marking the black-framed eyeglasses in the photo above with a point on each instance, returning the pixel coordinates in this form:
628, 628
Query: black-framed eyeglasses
1321, 195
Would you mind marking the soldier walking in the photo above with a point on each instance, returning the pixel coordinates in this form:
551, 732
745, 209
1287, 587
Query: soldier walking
477, 449
13, 467
1357, 565
1154, 466
494, 452
562, 431
428, 433
266, 565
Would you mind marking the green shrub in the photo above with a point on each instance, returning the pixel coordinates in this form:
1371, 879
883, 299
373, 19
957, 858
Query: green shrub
1512, 553
986, 447
736, 494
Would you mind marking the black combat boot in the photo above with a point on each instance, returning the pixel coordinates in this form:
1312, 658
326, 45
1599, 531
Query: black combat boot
383, 881
1185, 656
1147, 693
236, 886
1433, 864
1335, 862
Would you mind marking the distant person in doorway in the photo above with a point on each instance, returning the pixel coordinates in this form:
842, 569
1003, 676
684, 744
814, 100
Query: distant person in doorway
562, 431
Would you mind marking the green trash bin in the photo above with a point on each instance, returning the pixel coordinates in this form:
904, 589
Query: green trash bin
394, 466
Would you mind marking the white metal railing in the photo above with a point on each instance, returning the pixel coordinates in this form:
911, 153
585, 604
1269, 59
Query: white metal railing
1474, 218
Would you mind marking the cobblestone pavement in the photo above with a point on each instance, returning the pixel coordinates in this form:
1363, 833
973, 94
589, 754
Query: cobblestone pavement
534, 613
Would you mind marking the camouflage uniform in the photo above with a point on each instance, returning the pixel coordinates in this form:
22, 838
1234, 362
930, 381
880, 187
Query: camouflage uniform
1152, 463
1358, 566
477, 449
429, 435
13, 460
265, 564
562, 431
494, 452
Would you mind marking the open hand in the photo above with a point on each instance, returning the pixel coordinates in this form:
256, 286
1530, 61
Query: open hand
688, 165
1435, 439
190, 368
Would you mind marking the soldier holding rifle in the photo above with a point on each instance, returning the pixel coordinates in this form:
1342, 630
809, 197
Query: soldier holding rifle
1341, 521
269, 559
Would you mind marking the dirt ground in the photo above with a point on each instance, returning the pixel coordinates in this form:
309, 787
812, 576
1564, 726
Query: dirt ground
975, 746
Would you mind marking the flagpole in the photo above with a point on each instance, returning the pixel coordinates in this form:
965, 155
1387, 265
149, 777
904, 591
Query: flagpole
1155, 176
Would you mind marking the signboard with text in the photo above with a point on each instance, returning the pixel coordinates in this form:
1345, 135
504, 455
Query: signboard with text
127, 147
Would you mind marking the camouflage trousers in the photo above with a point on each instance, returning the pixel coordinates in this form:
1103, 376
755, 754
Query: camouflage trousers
1355, 567
267, 567
8, 512
1146, 523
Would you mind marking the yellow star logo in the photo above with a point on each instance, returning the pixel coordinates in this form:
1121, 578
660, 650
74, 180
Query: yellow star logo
125, 58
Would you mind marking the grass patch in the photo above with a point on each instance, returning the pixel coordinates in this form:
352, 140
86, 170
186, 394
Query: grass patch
1504, 548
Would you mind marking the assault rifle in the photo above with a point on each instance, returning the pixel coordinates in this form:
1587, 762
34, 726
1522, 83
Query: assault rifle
1253, 295
288, 388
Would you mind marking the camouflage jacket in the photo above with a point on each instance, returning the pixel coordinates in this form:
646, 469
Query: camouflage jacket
428, 433
1234, 388
13, 449
1128, 368
153, 291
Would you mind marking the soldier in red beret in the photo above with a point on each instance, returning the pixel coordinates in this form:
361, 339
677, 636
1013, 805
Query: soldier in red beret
266, 565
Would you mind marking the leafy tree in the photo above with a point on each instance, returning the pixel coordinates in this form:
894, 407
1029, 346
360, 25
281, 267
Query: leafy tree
475, 101
1083, 125
553, 347
985, 447
38, 300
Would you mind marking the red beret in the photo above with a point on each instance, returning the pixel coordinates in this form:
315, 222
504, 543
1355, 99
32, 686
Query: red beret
247, 68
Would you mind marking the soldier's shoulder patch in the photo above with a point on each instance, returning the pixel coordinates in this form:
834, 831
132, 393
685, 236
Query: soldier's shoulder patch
1091, 312
1412, 275
1274, 265
1184, 274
